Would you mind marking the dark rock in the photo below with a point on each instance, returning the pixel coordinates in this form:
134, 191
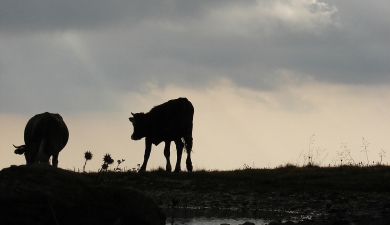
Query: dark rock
248, 223
306, 222
275, 223
41, 194
339, 221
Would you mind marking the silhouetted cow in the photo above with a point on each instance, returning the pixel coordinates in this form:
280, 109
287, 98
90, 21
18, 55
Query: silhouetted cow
170, 121
45, 135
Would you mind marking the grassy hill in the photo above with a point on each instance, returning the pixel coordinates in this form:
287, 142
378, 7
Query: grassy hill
41, 194
287, 178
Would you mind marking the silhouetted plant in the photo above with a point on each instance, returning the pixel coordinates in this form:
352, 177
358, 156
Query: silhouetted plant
88, 156
382, 154
107, 160
104, 167
136, 169
310, 152
119, 162
314, 156
307, 156
159, 169
247, 167
319, 153
344, 155
365, 145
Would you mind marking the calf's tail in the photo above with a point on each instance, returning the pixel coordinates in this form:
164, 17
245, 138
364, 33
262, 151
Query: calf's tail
189, 112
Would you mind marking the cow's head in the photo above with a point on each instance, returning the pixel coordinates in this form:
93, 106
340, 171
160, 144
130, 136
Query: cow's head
28, 151
139, 121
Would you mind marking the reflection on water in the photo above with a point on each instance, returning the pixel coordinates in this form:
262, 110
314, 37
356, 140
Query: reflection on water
232, 217
215, 221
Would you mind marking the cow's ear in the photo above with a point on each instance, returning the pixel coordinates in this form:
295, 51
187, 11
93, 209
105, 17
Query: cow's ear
131, 119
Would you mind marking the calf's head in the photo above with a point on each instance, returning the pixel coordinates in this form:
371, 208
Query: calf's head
139, 121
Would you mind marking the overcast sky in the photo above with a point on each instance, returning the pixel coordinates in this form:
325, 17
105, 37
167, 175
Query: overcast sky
263, 76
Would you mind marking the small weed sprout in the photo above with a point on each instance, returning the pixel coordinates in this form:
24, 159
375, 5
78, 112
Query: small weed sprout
297, 162
88, 156
247, 167
136, 169
314, 156
382, 154
119, 162
365, 145
319, 159
345, 154
310, 153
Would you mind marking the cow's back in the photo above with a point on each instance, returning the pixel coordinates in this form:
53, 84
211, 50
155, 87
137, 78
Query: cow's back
46, 126
171, 118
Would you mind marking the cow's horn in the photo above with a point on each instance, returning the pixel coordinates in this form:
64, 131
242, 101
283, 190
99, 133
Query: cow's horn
132, 114
17, 146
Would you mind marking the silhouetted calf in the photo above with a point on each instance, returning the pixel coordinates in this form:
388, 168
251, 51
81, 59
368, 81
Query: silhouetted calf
170, 121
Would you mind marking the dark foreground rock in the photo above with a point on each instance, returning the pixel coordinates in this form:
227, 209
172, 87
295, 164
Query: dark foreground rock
41, 194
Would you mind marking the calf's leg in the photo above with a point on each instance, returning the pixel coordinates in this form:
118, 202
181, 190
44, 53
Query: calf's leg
179, 150
188, 141
148, 148
167, 153
189, 162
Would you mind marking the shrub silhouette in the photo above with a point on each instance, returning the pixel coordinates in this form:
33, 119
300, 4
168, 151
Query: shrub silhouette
88, 156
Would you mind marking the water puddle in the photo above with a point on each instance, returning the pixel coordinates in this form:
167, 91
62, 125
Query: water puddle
232, 217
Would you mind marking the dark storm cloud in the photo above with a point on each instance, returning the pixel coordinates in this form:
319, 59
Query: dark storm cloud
71, 55
49, 15
46, 15
38, 75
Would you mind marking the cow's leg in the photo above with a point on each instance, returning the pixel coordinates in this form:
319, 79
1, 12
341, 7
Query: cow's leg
188, 142
167, 153
41, 156
179, 149
54, 160
148, 148
55, 149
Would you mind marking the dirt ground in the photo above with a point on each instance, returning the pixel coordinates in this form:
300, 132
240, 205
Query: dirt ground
282, 196
324, 207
